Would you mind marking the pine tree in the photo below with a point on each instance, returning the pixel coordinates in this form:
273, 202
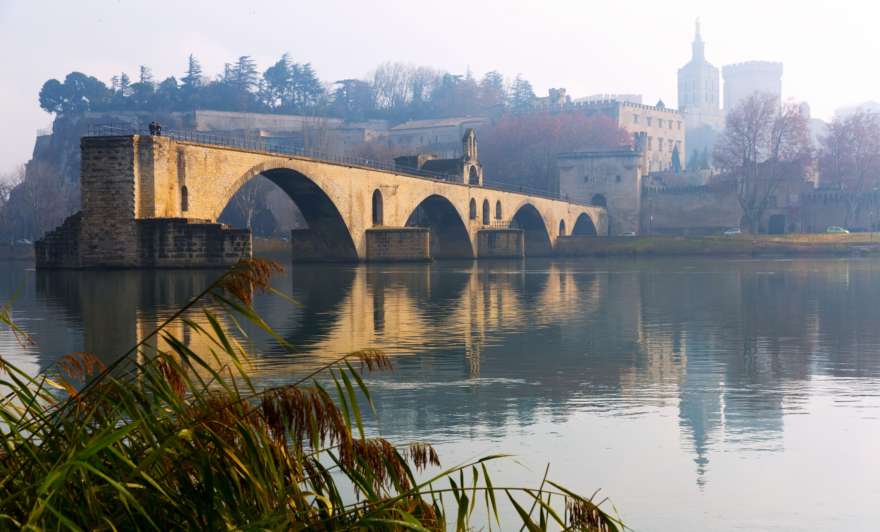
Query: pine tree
193, 77
146, 75
521, 93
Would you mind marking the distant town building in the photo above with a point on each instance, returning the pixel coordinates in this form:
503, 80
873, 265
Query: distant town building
699, 89
555, 100
440, 136
465, 168
663, 127
631, 98
606, 178
744, 79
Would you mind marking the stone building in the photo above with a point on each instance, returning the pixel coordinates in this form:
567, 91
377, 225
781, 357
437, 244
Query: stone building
606, 178
699, 89
663, 128
744, 79
440, 136
463, 169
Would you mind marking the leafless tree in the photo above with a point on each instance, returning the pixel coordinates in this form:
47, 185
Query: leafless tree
762, 146
849, 157
251, 197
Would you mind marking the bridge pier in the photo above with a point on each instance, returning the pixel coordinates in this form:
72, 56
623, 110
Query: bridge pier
500, 244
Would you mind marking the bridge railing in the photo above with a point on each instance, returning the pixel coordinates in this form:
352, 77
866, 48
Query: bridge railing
275, 148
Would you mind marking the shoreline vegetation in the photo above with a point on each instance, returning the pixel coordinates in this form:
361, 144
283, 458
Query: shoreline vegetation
164, 437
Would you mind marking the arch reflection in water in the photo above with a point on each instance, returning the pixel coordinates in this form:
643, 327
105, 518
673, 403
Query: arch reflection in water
730, 347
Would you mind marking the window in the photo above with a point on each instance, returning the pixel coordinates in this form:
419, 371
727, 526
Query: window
670, 124
617, 179
184, 198
648, 121
497, 210
586, 179
377, 207
486, 212
659, 144
679, 124
561, 227
472, 214
635, 119
650, 143
660, 122
671, 144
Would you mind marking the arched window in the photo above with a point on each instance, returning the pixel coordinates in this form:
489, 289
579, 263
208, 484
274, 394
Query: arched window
599, 201
184, 198
561, 227
472, 214
473, 176
377, 207
485, 212
498, 210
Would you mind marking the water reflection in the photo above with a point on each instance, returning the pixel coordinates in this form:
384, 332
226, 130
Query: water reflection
727, 351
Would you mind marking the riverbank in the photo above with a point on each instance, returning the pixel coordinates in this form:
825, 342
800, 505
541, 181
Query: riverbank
807, 245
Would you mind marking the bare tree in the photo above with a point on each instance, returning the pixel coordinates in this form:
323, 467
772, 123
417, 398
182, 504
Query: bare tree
849, 157
761, 147
250, 198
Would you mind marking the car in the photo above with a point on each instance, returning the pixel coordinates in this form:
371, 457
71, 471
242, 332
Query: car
733, 231
629, 233
836, 229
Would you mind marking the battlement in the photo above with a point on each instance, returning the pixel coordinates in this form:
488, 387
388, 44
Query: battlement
752, 67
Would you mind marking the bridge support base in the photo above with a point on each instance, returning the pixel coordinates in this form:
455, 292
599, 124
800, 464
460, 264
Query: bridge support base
398, 244
500, 244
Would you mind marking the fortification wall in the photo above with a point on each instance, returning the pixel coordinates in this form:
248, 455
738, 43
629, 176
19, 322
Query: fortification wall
690, 210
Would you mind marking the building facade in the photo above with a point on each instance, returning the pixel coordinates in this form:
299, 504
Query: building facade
442, 136
744, 79
605, 178
663, 129
699, 89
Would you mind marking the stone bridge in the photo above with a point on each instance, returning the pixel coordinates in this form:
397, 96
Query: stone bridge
153, 201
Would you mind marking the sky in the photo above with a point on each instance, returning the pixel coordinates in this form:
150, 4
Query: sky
585, 46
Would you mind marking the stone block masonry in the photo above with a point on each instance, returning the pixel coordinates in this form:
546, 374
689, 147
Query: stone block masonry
500, 244
398, 244
185, 243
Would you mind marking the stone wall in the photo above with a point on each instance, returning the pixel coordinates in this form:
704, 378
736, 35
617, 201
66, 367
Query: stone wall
398, 244
109, 201
609, 178
694, 210
60, 247
188, 243
500, 243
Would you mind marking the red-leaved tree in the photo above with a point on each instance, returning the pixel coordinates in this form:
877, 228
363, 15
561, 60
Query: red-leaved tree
521, 149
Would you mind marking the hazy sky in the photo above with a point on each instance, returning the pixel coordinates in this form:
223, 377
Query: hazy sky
586, 46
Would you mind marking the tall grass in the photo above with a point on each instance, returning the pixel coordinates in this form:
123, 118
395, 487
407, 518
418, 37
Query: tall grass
169, 438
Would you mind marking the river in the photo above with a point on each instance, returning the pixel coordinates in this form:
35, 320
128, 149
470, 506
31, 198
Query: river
696, 394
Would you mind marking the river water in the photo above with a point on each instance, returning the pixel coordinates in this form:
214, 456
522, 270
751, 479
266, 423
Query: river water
696, 394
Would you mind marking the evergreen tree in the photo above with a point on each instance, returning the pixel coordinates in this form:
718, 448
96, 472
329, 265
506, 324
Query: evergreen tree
277, 84
146, 75
193, 78
521, 93
676, 161
492, 91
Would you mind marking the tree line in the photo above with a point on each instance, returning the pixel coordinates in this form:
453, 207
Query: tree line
393, 91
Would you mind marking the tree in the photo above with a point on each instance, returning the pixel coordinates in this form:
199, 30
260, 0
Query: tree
277, 89
146, 75
676, 160
193, 78
78, 94
762, 146
353, 99
493, 94
521, 94
849, 158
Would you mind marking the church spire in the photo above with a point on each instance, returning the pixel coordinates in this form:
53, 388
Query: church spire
698, 45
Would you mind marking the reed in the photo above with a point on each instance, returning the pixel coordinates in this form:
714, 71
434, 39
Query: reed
169, 438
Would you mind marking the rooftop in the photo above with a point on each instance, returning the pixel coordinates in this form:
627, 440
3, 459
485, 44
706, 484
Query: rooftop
439, 122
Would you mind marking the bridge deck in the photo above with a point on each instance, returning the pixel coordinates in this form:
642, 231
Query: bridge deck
268, 148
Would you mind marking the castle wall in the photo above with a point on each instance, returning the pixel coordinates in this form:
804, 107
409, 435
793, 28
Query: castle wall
612, 177
690, 210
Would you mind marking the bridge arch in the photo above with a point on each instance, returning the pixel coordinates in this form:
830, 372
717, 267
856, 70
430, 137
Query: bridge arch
449, 235
327, 236
537, 237
584, 226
